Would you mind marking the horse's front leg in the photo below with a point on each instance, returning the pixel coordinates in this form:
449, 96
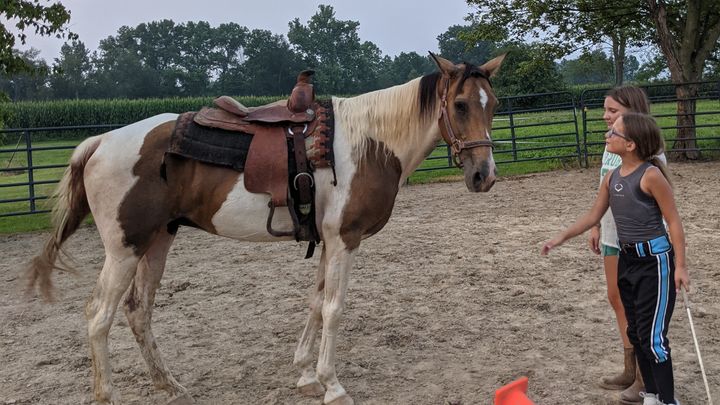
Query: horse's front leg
309, 384
337, 268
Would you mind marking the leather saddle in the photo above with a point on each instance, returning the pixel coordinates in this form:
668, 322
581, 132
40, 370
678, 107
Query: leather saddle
273, 127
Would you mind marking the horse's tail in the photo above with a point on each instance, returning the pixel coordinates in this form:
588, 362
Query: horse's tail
71, 207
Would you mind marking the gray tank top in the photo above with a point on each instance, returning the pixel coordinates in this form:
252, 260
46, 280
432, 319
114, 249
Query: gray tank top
637, 215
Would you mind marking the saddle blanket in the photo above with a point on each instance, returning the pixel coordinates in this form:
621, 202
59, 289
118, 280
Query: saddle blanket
209, 145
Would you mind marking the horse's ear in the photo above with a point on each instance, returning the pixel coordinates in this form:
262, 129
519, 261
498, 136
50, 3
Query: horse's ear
491, 67
443, 64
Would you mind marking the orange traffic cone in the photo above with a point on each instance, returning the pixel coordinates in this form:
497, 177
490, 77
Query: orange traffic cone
513, 393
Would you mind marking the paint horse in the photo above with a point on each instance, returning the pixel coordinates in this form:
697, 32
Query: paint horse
380, 138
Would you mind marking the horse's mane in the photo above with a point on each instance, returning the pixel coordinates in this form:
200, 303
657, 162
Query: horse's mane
398, 116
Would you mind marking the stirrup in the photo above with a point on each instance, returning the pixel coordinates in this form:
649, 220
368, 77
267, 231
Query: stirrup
269, 227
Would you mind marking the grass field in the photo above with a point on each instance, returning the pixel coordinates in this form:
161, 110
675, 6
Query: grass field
548, 136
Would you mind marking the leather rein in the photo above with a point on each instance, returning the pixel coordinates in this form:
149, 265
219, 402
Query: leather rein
456, 144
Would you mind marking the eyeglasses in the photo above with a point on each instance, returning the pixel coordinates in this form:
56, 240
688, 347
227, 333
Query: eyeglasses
613, 132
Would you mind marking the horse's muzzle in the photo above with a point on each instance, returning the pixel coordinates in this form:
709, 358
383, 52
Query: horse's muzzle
480, 179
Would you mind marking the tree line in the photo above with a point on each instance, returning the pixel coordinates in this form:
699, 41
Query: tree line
167, 59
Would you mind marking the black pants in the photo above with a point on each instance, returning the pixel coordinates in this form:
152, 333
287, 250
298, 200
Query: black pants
646, 280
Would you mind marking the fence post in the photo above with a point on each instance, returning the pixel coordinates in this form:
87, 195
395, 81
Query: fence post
512, 129
31, 179
583, 110
577, 134
449, 156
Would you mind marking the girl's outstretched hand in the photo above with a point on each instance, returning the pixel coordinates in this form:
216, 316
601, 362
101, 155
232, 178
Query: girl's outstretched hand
551, 244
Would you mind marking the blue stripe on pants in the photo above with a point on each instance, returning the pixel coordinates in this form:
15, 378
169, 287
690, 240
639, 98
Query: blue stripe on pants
658, 344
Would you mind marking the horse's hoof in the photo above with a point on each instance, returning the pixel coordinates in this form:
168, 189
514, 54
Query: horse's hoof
314, 389
342, 400
184, 399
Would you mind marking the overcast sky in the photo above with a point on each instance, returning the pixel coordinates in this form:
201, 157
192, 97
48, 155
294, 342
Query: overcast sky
393, 25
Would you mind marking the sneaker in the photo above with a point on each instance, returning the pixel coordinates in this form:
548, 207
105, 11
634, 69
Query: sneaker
650, 399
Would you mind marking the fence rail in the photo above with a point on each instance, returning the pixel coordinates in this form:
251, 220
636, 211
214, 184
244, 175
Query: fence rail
536, 127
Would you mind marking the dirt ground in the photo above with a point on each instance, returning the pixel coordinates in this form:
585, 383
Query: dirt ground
448, 303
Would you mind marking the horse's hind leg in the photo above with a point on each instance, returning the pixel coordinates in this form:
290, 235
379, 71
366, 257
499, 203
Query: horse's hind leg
309, 384
138, 310
117, 272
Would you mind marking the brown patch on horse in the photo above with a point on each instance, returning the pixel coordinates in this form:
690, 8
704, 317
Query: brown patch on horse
205, 189
372, 194
170, 190
146, 208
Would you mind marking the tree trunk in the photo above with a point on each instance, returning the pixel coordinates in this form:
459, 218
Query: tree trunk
618, 48
680, 74
685, 146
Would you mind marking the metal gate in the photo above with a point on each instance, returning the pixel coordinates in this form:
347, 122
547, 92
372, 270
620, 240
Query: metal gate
663, 99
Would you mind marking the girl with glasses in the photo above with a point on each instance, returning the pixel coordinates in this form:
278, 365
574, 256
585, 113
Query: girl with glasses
651, 269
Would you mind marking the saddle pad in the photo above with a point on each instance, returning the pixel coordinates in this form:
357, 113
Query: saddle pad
266, 168
209, 145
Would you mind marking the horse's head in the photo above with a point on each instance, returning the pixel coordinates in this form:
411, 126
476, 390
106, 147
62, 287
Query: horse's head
467, 107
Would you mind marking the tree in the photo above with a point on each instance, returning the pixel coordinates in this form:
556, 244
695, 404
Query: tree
455, 47
652, 69
44, 20
125, 70
686, 31
564, 26
632, 67
31, 84
527, 69
712, 68
231, 39
70, 71
589, 68
270, 66
403, 68
332, 47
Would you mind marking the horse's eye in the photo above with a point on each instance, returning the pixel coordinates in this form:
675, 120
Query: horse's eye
461, 107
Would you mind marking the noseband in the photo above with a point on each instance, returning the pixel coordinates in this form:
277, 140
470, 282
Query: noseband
456, 144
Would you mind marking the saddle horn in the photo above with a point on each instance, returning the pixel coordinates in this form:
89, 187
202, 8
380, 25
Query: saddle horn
303, 94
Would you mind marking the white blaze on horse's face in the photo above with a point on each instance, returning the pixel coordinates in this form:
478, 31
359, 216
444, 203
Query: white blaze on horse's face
483, 99
471, 104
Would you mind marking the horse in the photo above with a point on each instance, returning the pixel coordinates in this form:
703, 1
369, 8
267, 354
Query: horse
139, 196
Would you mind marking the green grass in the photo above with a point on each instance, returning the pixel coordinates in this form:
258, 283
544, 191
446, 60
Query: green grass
665, 116
26, 223
548, 135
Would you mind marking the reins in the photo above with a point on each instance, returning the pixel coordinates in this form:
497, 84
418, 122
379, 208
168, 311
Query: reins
456, 144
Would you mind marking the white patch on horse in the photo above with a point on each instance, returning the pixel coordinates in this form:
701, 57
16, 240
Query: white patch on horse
243, 216
331, 200
483, 98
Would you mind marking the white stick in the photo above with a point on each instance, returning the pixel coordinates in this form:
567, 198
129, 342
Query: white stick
697, 348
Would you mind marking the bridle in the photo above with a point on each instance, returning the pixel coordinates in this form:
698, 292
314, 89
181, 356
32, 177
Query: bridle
456, 144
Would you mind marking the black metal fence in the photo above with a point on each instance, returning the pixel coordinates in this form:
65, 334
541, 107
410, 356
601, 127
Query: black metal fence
663, 99
35, 182
527, 128
537, 127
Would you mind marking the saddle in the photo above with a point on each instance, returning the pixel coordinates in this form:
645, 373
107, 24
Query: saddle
299, 124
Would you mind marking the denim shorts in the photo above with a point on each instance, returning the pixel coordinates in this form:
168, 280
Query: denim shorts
606, 250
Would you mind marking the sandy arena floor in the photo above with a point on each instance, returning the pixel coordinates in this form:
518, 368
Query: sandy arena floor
448, 303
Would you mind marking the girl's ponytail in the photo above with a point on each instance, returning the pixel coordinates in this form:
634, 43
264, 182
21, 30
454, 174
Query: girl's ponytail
644, 131
655, 161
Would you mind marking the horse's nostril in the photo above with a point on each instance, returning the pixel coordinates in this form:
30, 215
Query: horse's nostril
478, 179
